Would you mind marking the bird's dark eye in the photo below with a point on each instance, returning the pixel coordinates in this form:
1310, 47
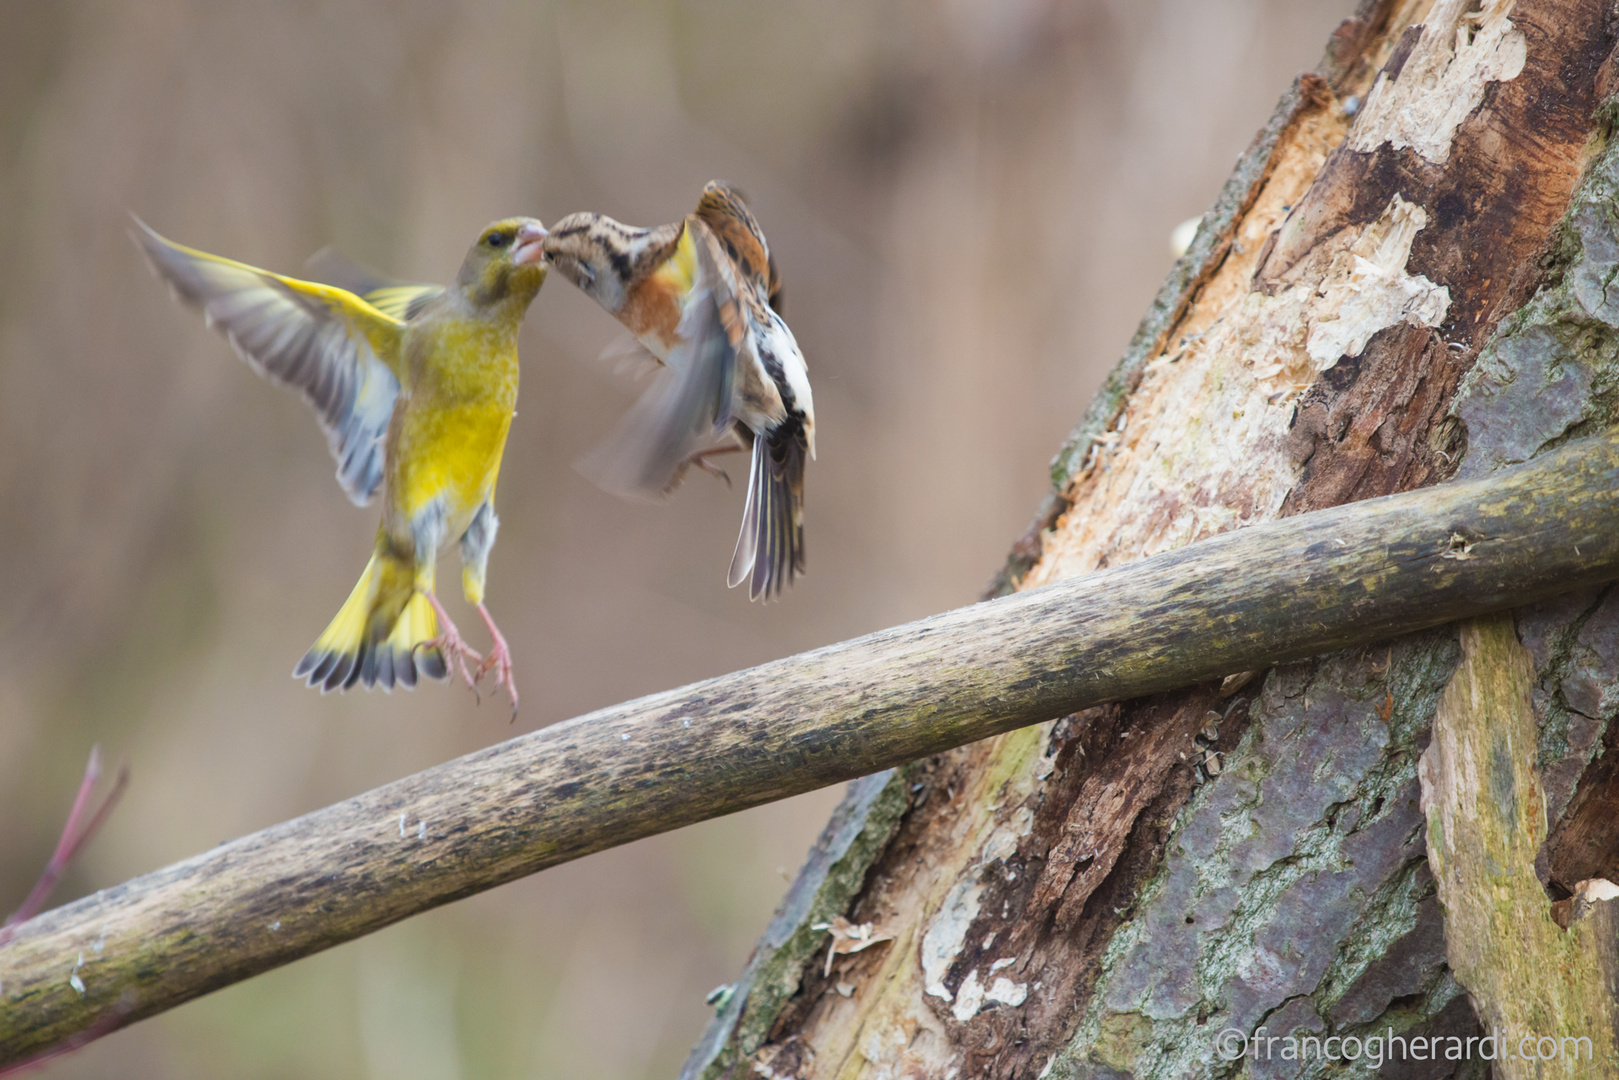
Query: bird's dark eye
499, 239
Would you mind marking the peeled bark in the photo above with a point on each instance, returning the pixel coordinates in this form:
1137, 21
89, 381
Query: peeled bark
1405, 280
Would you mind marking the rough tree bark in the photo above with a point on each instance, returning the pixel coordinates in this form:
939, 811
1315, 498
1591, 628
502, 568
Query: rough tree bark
1406, 279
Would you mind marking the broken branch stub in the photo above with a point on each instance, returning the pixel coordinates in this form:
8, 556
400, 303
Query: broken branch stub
1486, 814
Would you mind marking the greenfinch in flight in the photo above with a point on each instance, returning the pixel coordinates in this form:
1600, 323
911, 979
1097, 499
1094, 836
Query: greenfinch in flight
702, 295
415, 387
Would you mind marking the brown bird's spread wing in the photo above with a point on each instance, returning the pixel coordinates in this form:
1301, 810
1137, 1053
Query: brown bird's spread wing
688, 409
629, 359
332, 347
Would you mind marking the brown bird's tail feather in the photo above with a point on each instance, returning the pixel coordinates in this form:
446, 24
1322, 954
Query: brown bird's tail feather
380, 636
770, 547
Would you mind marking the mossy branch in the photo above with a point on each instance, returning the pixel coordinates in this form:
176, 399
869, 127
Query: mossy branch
1538, 986
1279, 591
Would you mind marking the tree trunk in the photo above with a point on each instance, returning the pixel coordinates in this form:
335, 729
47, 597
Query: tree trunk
1405, 280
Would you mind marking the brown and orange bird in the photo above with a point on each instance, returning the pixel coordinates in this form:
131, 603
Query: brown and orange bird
702, 295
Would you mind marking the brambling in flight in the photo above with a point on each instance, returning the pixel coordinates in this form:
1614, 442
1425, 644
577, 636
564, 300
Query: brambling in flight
703, 296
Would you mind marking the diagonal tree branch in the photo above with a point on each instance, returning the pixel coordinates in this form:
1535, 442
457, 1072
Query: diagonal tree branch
1285, 590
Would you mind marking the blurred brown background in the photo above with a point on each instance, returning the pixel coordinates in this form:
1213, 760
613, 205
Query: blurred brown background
971, 202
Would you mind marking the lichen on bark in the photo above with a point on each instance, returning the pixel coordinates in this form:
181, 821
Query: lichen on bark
1290, 884
1192, 861
1528, 978
1547, 376
1551, 375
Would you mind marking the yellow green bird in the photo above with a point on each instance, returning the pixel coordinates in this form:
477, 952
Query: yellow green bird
415, 387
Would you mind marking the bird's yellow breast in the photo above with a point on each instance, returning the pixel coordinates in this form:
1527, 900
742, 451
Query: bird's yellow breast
450, 428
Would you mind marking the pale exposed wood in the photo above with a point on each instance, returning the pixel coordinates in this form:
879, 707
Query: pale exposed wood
1221, 416
1541, 989
1270, 593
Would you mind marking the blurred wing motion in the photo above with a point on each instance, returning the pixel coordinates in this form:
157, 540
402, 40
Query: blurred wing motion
688, 408
402, 302
326, 343
629, 359
396, 299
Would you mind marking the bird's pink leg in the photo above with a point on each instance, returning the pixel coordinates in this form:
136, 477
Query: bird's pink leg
450, 643
499, 659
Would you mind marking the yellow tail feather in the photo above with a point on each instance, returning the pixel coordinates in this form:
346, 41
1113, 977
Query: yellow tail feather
379, 635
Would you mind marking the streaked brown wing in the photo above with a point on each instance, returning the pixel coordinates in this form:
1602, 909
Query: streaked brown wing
723, 210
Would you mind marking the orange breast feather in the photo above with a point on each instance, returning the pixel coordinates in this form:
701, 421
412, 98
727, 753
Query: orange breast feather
652, 312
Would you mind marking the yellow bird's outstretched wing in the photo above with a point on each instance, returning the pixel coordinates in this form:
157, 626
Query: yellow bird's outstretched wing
397, 299
402, 302
338, 351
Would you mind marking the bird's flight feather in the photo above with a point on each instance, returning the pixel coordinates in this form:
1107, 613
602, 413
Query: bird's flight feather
402, 300
331, 346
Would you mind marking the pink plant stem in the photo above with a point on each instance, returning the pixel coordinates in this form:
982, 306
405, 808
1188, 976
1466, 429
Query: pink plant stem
75, 834
74, 837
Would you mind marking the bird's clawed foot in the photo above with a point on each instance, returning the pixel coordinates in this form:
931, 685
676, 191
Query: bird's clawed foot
499, 659
455, 649
700, 459
712, 470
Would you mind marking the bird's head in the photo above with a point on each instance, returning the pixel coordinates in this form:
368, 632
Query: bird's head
606, 258
507, 264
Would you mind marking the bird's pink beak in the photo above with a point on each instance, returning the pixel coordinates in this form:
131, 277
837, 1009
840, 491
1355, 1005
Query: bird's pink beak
528, 250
